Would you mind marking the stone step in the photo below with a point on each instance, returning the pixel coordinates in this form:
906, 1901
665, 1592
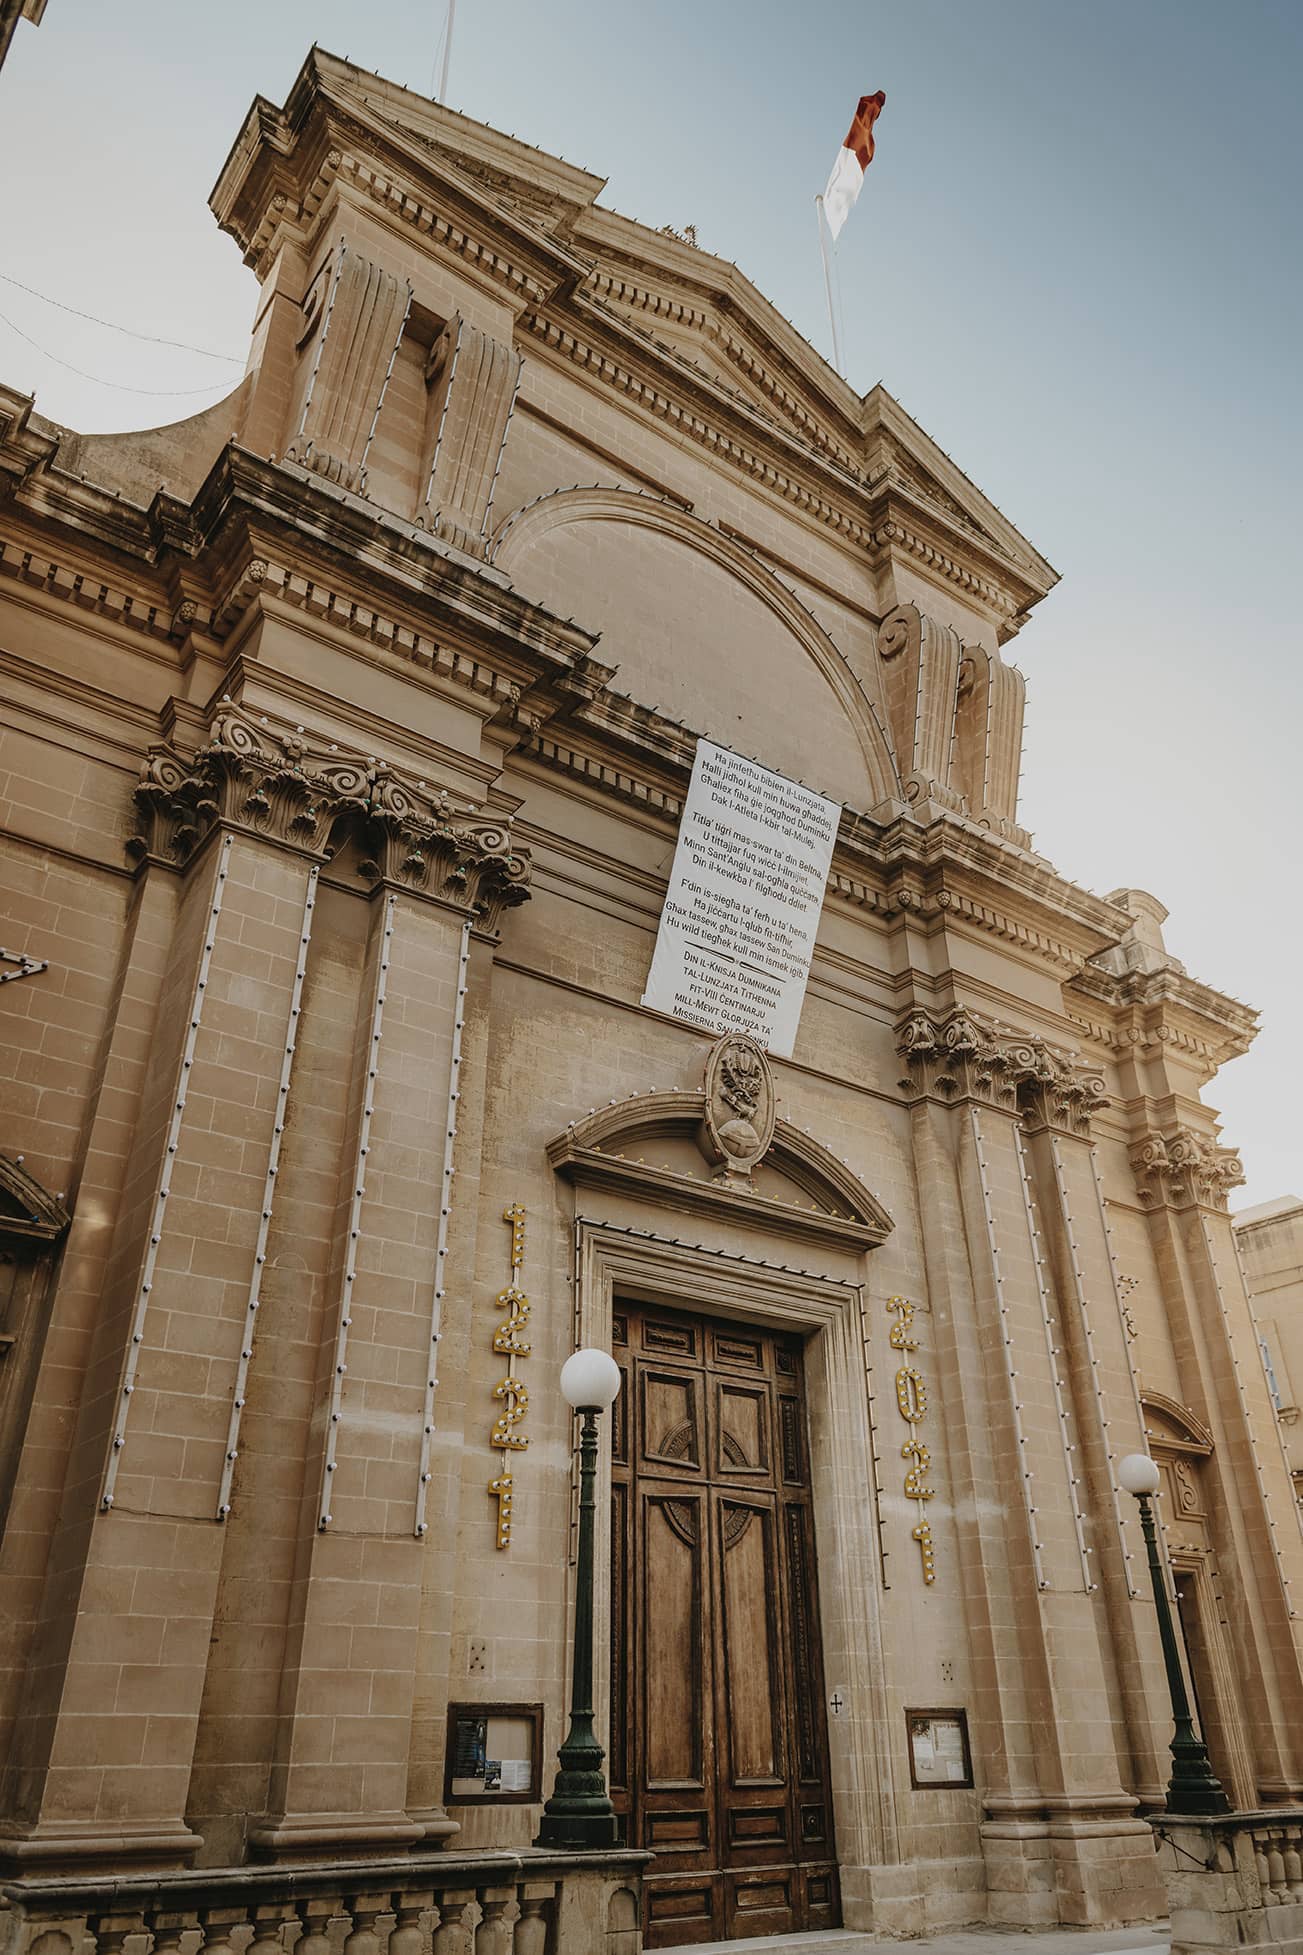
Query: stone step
1146, 1940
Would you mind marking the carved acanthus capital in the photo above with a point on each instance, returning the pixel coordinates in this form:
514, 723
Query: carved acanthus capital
961, 1057
274, 785
1185, 1170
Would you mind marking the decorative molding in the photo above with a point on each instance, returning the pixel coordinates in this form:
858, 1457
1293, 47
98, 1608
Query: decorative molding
88, 592
358, 324
957, 714
24, 966
510, 1392
737, 1125
473, 382
912, 1404
1188, 1433
961, 1057
276, 786
920, 661
27, 1211
1185, 1170
608, 1149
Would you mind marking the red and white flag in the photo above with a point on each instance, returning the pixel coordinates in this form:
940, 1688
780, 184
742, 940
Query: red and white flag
853, 159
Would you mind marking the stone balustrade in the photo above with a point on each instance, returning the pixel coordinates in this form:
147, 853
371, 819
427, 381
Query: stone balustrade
1234, 1881
524, 1903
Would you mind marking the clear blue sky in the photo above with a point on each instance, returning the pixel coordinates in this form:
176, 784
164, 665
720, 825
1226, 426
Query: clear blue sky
1076, 261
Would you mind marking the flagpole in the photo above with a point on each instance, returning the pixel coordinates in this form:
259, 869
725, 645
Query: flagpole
827, 284
447, 53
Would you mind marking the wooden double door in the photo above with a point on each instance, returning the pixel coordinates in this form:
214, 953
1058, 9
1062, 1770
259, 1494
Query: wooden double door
719, 1747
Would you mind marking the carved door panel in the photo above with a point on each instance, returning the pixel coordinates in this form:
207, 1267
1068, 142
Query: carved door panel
718, 1745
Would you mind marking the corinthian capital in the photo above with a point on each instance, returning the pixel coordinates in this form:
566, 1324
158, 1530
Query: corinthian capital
960, 1056
1184, 1170
276, 785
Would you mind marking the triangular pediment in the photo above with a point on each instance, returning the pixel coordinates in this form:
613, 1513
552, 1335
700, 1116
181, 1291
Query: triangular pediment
663, 317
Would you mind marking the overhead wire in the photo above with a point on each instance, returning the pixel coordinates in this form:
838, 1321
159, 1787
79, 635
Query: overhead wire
152, 339
120, 387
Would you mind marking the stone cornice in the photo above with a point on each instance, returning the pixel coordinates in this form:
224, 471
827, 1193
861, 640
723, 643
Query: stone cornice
276, 785
959, 1058
893, 515
1140, 1011
583, 281
284, 163
1184, 1169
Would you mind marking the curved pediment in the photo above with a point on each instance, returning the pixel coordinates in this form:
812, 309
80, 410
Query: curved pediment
651, 1146
1168, 1423
26, 1209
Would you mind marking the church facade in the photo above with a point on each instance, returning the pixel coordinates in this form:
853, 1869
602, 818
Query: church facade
348, 729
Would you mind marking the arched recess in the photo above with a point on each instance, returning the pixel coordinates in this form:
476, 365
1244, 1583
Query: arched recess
32, 1226
519, 549
654, 1220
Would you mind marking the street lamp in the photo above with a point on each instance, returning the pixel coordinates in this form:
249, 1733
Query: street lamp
1193, 1787
580, 1813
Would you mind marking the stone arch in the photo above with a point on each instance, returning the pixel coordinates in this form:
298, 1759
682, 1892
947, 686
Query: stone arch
549, 514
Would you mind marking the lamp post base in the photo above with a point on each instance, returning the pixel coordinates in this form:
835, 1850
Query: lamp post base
579, 1813
1195, 1788
592, 1831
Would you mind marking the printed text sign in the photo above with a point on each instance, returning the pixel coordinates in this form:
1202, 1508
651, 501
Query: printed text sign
742, 909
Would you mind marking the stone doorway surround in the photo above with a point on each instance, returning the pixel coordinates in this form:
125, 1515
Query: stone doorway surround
671, 1237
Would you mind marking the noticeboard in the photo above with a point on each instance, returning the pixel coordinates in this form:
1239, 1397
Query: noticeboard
495, 1754
939, 1757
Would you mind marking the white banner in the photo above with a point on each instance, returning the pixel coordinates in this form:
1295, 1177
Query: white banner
742, 909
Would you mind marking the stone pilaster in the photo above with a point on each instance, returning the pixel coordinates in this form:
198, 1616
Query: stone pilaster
1183, 1179
1061, 1843
159, 1505
348, 1690
117, 1679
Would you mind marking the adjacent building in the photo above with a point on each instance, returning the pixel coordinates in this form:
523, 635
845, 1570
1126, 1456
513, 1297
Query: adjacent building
347, 732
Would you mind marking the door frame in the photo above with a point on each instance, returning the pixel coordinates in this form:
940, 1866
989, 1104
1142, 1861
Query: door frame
611, 1258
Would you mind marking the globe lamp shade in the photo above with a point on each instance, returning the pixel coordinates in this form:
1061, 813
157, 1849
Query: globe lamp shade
1138, 1474
590, 1380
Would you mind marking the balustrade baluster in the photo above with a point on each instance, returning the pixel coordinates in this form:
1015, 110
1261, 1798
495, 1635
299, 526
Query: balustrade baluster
217, 1925
111, 1930
365, 1910
451, 1935
1276, 1872
408, 1906
1293, 1866
269, 1919
1264, 1871
536, 1901
493, 1936
169, 1928
316, 1915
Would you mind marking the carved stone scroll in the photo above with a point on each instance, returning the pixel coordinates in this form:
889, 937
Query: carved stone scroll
348, 358
1185, 1170
921, 679
962, 1057
473, 381
276, 785
988, 740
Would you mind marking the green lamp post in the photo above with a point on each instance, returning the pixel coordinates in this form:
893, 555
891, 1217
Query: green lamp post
1194, 1788
580, 1813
